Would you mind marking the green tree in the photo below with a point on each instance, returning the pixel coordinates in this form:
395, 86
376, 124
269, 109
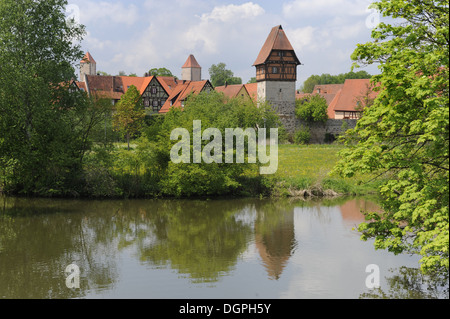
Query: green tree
310, 83
404, 135
214, 110
220, 75
160, 72
44, 124
252, 80
130, 113
103, 73
312, 109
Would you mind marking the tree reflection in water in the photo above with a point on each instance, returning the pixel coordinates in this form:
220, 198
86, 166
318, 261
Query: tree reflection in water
410, 283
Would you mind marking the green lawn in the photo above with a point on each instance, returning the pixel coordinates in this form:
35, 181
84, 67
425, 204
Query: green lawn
306, 161
308, 167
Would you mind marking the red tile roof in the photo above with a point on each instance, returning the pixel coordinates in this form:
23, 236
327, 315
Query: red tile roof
169, 83
277, 40
330, 110
105, 86
88, 58
229, 90
191, 62
327, 88
352, 91
252, 89
81, 85
128, 81
181, 92
114, 87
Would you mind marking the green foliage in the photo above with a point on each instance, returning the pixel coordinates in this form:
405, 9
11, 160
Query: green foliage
219, 75
404, 135
214, 111
326, 78
44, 127
103, 73
160, 72
303, 135
312, 109
130, 114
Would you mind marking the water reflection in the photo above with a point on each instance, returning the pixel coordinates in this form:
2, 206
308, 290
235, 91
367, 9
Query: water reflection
410, 283
274, 236
203, 242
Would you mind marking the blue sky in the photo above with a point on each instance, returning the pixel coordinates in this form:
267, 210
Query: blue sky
135, 36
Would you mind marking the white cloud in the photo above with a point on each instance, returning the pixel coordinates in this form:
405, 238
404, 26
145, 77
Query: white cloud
102, 12
309, 38
222, 24
233, 12
325, 8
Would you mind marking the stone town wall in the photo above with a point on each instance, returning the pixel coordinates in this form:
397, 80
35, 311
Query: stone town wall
321, 131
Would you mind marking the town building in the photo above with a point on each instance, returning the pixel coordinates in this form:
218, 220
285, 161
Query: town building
345, 101
159, 93
246, 91
350, 101
276, 76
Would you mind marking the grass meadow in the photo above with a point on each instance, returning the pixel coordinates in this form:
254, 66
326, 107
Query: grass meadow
307, 168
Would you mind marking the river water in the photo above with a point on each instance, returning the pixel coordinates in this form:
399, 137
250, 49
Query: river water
231, 248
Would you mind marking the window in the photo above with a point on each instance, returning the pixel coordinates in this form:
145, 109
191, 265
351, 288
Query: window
153, 90
281, 53
146, 102
274, 70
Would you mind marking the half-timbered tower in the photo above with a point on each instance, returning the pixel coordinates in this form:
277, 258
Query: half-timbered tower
276, 74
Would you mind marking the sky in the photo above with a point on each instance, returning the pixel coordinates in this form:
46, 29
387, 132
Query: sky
136, 36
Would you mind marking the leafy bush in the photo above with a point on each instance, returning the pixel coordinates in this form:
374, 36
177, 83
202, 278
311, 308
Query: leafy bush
214, 111
314, 108
302, 136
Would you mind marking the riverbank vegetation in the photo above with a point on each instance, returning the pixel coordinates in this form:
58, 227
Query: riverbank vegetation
405, 133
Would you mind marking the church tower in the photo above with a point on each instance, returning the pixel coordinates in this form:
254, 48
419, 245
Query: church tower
88, 66
191, 70
276, 74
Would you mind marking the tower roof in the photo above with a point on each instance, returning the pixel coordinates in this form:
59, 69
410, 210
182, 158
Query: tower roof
191, 62
277, 40
88, 58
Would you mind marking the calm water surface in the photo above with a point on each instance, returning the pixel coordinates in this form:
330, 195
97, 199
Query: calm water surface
242, 248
